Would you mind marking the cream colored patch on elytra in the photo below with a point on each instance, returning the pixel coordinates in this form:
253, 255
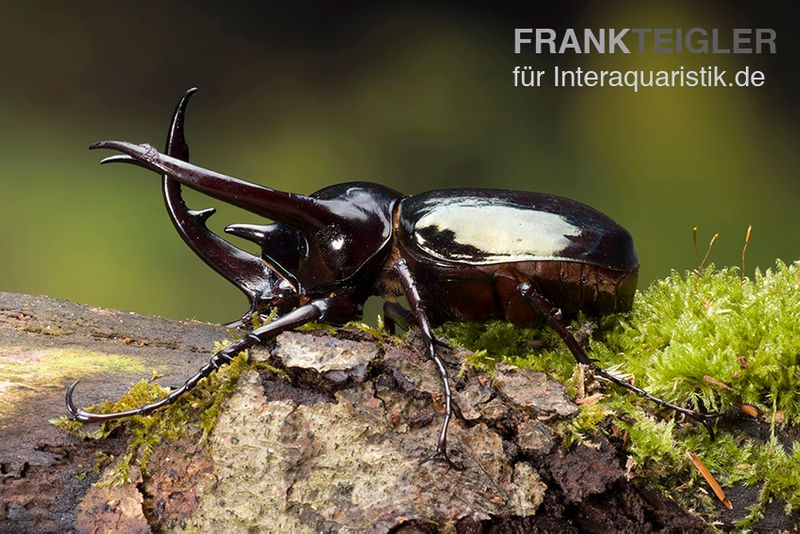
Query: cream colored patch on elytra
504, 233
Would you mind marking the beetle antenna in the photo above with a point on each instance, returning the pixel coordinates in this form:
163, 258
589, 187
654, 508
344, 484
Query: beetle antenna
744, 249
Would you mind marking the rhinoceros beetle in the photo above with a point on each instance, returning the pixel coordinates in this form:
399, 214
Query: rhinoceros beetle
455, 254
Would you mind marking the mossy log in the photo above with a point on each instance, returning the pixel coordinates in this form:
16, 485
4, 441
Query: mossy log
328, 437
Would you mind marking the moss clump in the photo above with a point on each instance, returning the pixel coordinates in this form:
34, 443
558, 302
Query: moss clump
539, 349
202, 405
687, 334
710, 340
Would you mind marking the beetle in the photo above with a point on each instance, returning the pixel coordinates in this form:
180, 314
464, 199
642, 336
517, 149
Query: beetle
455, 254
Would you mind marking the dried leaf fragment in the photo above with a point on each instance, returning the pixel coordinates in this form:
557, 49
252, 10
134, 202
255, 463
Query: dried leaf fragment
747, 409
711, 380
718, 491
591, 399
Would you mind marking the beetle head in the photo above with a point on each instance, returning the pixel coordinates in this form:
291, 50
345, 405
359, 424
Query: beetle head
331, 241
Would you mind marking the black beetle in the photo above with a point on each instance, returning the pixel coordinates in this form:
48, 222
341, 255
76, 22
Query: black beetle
458, 254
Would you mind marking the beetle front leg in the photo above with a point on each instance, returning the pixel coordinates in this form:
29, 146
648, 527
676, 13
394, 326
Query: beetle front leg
336, 309
418, 311
553, 317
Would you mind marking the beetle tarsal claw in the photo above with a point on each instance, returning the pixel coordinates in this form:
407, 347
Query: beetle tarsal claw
74, 412
442, 456
705, 419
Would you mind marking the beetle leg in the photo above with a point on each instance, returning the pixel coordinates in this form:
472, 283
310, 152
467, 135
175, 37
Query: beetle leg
553, 317
418, 311
336, 309
395, 314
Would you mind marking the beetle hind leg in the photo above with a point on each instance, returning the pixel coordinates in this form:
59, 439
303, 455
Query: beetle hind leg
553, 317
394, 314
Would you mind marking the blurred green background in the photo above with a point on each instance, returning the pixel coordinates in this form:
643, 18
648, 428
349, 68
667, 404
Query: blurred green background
299, 96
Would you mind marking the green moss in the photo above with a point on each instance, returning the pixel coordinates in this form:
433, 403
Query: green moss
741, 332
101, 460
316, 327
379, 332
710, 339
202, 404
581, 428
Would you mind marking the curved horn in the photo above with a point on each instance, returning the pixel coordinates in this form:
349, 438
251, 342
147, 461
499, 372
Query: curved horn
282, 246
256, 233
242, 269
300, 211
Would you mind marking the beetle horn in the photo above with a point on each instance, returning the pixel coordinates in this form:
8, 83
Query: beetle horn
252, 232
282, 246
298, 210
122, 158
244, 270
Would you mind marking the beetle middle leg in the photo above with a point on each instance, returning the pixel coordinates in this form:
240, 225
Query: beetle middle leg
331, 309
419, 312
553, 317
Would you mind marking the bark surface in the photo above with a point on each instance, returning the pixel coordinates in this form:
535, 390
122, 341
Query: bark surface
333, 443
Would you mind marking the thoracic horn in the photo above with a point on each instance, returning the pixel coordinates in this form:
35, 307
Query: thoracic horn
252, 232
303, 212
244, 270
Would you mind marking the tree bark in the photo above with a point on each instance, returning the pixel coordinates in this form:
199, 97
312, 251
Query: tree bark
332, 443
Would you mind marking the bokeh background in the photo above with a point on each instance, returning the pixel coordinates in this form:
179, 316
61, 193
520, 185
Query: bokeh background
298, 96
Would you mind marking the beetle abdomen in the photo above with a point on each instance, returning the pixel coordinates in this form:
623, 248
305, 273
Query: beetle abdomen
487, 226
491, 291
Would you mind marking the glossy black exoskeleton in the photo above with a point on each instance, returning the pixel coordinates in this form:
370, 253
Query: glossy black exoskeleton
460, 254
